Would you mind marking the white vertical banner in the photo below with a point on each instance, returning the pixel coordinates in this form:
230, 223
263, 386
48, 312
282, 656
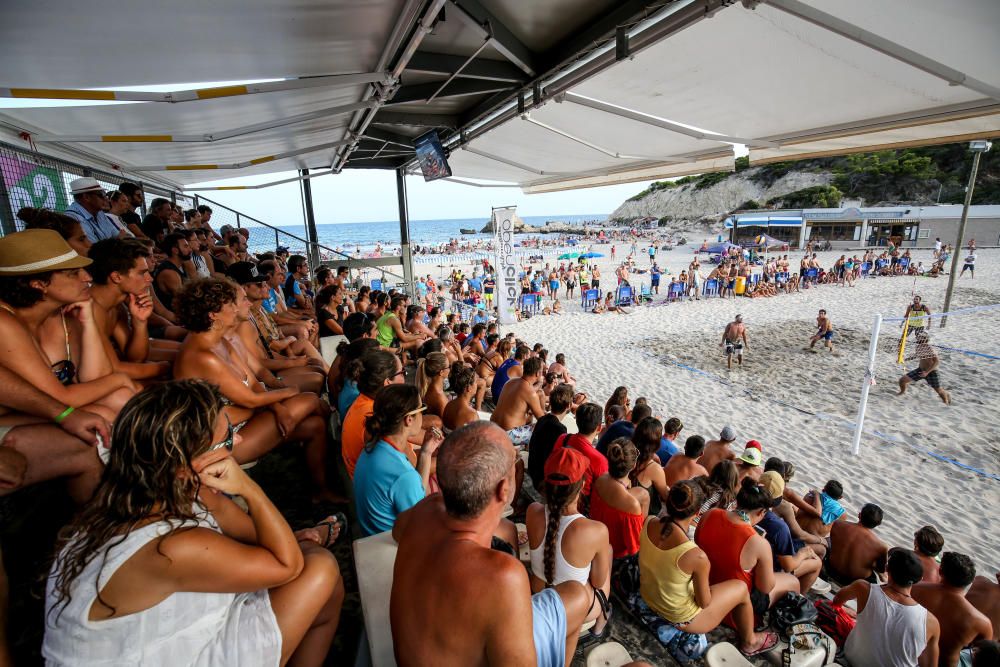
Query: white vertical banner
506, 264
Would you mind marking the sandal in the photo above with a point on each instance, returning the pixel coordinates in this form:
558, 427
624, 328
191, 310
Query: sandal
770, 641
337, 519
607, 611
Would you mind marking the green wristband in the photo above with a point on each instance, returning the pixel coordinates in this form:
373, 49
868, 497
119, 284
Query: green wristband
65, 413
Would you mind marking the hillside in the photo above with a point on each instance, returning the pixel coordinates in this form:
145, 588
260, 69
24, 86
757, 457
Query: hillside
917, 176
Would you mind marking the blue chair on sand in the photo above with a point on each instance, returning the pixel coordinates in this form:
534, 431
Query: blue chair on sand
530, 303
711, 288
676, 291
376, 284
880, 264
812, 275
866, 269
589, 297
624, 296
645, 293
781, 278
903, 264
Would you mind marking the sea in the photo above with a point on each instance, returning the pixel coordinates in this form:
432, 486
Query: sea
348, 236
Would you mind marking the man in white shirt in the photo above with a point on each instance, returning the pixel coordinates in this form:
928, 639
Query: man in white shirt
970, 265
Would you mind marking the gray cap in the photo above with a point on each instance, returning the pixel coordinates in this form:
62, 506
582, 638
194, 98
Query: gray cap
728, 434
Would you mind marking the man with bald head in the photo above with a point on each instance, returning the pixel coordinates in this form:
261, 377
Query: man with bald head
456, 601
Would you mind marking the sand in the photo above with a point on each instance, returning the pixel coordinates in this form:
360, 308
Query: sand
802, 405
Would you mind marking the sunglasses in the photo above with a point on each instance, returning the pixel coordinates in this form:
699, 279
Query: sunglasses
228, 442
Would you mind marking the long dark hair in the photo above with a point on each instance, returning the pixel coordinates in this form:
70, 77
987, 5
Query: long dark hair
157, 433
352, 354
392, 402
646, 437
618, 397
557, 497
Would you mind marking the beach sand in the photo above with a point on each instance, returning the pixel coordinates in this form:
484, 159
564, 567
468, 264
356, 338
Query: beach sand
802, 405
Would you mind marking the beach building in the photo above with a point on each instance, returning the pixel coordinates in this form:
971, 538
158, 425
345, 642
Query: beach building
854, 227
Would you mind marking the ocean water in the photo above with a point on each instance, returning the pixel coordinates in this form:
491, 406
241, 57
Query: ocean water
347, 236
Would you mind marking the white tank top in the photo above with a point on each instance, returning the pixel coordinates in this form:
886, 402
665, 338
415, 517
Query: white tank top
888, 634
187, 629
564, 571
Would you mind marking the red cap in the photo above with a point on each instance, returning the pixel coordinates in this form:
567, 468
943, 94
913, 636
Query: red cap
756, 445
568, 463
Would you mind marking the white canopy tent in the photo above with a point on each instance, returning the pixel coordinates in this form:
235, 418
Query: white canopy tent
535, 96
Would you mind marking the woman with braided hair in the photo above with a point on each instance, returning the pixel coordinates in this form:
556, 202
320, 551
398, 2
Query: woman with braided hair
565, 545
674, 577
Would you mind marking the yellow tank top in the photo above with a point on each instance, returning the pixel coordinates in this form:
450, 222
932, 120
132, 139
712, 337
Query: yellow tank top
666, 588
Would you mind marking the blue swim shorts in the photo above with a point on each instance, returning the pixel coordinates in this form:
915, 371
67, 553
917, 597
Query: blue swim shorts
548, 620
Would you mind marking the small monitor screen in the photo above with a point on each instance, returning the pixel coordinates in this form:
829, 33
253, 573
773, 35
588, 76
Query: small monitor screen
430, 153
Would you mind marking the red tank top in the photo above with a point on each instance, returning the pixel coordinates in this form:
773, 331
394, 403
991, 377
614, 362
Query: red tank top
723, 542
623, 528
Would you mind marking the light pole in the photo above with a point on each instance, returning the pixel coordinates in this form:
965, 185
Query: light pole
978, 148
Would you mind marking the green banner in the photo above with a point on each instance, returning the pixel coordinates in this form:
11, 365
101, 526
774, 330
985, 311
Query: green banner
33, 185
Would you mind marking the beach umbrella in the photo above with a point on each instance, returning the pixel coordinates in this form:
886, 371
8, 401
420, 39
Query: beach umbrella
592, 255
719, 248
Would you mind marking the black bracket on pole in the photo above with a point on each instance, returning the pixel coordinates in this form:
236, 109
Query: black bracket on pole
621, 43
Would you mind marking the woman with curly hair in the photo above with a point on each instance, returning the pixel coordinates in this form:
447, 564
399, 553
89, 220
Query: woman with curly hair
145, 573
565, 545
265, 419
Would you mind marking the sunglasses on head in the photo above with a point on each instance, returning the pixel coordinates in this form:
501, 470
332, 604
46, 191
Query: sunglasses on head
415, 412
228, 442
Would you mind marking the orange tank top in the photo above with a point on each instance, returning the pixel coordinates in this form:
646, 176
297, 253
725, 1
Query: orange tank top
723, 542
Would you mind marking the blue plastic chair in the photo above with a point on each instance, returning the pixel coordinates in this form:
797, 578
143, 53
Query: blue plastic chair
676, 291
530, 303
711, 288
781, 277
866, 268
645, 293
903, 263
589, 297
812, 275
376, 284
625, 296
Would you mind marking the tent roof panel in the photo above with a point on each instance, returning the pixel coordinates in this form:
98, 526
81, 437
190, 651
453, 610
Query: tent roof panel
108, 43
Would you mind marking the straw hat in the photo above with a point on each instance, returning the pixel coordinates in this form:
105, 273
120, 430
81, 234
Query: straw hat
37, 251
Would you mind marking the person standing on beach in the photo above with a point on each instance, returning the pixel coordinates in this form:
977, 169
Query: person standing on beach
824, 331
734, 338
927, 370
916, 315
652, 253
970, 263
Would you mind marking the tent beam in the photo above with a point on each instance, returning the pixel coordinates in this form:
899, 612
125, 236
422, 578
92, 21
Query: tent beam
390, 137
497, 158
312, 236
197, 93
210, 137
655, 121
423, 92
884, 46
307, 176
386, 117
446, 64
481, 185
246, 163
599, 149
500, 37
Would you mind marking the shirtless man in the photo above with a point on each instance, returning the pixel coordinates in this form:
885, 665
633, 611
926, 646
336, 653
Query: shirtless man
459, 412
121, 280
927, 544
734, 338
961, 623
719, 450
984, 595
685, 466
927, 370
824, 331
446, 576
855, 552
519, 401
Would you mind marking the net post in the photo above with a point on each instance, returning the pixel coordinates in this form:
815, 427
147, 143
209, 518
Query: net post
866, 385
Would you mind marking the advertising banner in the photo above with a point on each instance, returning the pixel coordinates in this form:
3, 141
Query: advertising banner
30, 184
506, 264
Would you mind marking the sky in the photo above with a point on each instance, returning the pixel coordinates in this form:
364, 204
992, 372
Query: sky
367, 195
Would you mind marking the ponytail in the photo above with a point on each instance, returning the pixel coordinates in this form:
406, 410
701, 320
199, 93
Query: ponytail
428, 368
557, 496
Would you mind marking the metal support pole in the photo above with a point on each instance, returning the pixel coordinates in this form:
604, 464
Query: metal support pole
404, 230
961, 236
312, 236
239, 223
866, 385
142, 204
8, 224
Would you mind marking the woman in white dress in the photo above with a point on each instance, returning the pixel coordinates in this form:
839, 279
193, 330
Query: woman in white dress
162, 568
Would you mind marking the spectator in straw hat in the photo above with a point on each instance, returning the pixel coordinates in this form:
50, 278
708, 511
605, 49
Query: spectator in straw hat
88, 205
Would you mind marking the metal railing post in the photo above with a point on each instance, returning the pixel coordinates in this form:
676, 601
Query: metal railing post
238, 221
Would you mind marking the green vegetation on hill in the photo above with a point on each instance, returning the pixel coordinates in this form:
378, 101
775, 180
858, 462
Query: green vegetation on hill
912, 175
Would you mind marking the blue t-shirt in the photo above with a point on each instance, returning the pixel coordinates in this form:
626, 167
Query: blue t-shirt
385, 485
271, 302
622, 428
296, 289
666, 450
476, 284
777, 532
345, 399
654, 276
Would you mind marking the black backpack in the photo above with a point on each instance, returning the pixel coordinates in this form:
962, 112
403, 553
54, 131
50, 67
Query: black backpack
792, 609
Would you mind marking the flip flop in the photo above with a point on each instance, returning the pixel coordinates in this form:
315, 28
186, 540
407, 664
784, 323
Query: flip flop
337, 519
770, 641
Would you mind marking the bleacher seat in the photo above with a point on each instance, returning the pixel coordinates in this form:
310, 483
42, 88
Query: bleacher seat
328, 347
375, 557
